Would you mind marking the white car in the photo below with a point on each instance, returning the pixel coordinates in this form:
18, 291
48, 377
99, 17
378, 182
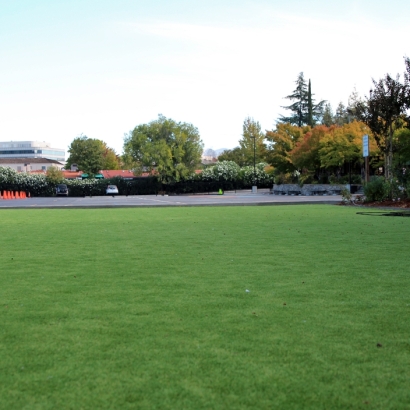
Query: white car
112, 190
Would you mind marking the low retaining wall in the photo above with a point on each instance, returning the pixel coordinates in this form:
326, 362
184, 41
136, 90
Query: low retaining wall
308, 189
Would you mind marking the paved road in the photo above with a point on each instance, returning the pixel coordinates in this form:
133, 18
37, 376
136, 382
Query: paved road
229, 198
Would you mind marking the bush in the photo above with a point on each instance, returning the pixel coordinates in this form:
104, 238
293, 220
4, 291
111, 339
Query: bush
377, 189
226, 171
263, 178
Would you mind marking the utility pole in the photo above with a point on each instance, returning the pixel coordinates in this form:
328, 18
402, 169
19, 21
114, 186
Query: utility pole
254, 187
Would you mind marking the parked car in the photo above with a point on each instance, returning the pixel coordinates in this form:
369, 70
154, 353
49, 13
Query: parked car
62, 189
112, 190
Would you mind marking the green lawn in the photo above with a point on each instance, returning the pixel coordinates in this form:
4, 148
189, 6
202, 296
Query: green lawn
149, 308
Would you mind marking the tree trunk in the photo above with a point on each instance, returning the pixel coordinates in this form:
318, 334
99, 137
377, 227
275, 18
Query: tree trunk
389, 162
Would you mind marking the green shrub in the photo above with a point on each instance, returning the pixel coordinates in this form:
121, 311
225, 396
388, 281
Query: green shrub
346, 195
377, 189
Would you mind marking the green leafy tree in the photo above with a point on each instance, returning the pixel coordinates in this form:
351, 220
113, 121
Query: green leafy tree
401, 138
252, 142
54, 176
236, 155
170, 149
110, 159
87, 153
383, 112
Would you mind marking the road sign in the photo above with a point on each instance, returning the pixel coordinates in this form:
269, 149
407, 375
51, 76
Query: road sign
365, 145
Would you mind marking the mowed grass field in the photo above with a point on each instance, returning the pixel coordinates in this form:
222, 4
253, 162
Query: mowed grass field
287, 307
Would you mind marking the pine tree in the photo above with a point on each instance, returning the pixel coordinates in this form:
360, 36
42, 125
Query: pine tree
305, 111
327, 117
341, 116
298, 108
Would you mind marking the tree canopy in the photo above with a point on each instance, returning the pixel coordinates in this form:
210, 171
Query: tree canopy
281, 142
384, 111
168, 148
87, 153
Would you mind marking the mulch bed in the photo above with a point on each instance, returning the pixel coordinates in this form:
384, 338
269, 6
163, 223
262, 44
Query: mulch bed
404, 203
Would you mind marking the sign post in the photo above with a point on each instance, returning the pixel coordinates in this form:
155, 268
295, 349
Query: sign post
366, 156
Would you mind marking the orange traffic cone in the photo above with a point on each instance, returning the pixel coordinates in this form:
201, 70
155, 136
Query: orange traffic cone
23, 195
17, 195
7, 195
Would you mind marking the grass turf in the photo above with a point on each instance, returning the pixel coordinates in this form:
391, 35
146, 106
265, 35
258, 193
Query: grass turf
148, 308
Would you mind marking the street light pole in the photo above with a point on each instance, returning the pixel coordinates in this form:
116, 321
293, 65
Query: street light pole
254, 164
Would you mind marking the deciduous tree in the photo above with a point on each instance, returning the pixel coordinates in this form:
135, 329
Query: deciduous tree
383, 112
252, 139
281, 142
54, 175
171, 149
342, 145
87, 153
236, 155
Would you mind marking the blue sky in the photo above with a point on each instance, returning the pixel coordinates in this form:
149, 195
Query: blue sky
102, 67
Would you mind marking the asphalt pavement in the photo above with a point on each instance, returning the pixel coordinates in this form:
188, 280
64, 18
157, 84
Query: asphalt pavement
239, 198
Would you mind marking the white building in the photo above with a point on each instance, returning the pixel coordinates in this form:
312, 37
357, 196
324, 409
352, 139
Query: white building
31, 149
30, 164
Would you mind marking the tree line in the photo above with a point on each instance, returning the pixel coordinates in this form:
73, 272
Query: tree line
311, 143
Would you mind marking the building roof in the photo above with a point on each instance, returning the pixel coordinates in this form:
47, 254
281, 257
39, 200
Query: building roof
112, 173
72, 174
23, 160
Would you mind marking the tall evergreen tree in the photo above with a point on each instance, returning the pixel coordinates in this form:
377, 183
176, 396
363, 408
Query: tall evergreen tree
304, 110
310, 105
341, 116
327, 117
298, 108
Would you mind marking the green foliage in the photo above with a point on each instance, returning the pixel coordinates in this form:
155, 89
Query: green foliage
376, 189
54, 176
304, 110
88, 154
383, 112
346, 195
110, 159
35, 184
236, 155
170, 149
252, 142
261, 177
327, 118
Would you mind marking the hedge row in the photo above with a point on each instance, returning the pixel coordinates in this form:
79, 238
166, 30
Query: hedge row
38, 185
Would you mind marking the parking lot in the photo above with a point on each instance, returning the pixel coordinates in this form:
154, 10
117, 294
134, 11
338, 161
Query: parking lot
263, 197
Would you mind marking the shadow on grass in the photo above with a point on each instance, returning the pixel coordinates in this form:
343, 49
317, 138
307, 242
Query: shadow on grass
403, 213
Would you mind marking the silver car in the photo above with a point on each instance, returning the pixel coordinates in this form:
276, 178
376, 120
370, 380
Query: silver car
112, 190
